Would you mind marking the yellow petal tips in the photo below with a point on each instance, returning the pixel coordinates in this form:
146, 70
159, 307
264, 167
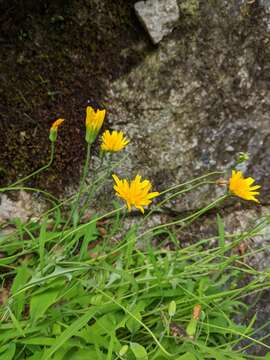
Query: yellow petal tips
54, 129
136, 193
93, 123
114, 141
242, 188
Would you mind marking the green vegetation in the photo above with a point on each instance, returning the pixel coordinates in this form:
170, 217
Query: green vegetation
97, 288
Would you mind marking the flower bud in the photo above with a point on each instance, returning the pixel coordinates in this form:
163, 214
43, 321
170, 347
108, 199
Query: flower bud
54, 129
93, 123
123, 350
172, 308
242, 157
192, 325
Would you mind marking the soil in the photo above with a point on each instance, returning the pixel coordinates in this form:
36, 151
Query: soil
58, 57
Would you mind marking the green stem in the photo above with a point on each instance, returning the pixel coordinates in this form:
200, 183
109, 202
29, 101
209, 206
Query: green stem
191, 181
162, 202
27, 188
82, 182
80, 227
188, 218
91, 189
85, 169
38, 170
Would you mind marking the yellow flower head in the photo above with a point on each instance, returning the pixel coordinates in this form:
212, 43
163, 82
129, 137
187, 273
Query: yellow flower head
242, 187
114, 141
54, 129
136, 193
56, 124
93, 122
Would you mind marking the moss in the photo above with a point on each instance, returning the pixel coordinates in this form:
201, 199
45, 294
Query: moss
58, 57
190, 7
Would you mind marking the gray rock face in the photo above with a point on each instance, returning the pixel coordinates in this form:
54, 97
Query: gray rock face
198, 100
158, 17
265, 3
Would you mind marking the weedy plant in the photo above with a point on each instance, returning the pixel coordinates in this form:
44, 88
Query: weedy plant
76, 288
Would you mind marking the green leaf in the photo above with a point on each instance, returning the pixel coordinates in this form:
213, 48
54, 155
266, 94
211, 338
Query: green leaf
23, 274
68, 349
41, 302
16, 323
108, 323
91, 336
86, 354
187, 356
42, 242
57, 217
90, 233
36, 356
139, 351
115, 275
20, 279
7, 352
130, 240
69, 332
132, 324
221, 232
39, 340
166, 292
220, 325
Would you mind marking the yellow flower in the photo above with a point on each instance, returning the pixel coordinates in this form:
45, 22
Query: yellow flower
242, 187
54, 129
114, 141
56, 124
93, 122
136, 193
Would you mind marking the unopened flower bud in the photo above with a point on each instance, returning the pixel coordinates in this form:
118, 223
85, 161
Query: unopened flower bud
172, 308
93, 123
123, 350
242, 157
54, 129
192, 325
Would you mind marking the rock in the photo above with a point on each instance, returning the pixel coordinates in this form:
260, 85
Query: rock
265, 3
158, 17
197, 101
21, 208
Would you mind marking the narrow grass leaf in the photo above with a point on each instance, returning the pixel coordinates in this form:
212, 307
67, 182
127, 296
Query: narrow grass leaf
16, 323
221, 232
187, 356
42, 241
69, 332
90, 233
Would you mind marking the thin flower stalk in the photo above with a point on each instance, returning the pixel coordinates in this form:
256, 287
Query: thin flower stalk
52, 137
172, 196
74, 212
187, 220
26, 178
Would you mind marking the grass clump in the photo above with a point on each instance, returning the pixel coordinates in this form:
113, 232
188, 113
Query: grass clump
76, 288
